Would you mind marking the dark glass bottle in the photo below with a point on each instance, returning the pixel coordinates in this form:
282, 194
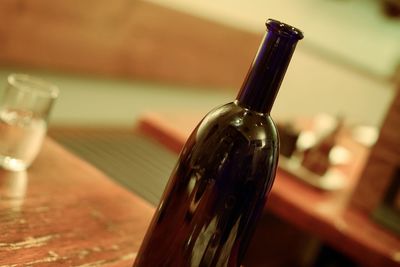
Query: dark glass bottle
219, 186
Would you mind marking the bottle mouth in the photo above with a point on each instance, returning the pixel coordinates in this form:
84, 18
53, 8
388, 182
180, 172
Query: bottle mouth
284, 29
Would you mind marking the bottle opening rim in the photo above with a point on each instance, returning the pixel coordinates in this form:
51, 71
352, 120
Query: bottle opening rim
284, 29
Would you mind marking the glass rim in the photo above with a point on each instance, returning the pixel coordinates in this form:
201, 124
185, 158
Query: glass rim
27, 82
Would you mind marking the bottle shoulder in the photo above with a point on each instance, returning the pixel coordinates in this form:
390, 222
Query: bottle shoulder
232, 118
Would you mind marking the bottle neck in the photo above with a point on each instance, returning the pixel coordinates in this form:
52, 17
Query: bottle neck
267, 71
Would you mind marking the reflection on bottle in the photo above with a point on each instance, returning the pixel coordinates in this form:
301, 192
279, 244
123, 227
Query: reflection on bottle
12, 188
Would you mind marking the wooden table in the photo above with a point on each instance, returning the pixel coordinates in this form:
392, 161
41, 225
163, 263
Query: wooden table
64, 212
327, 215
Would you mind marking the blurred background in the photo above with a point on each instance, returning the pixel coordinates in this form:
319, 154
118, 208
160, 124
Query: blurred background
114, 60
117, 61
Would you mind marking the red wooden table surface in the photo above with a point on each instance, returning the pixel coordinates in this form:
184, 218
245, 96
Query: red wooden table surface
64, 212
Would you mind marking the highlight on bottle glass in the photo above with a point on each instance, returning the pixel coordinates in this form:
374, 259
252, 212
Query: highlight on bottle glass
24, 110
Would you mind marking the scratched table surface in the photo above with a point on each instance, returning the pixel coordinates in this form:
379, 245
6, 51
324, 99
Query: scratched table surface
64, 212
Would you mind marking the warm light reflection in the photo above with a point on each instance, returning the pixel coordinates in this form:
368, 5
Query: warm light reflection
13, 187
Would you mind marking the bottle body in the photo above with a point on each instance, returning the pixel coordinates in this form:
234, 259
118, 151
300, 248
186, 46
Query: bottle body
216, 192
219, 186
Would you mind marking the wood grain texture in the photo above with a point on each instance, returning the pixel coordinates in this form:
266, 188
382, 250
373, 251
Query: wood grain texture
383, 162
133, 39
327, 215
64, 212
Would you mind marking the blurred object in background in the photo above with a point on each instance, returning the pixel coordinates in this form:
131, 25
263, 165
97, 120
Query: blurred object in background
123, 38
288, 136
391, 8
365, 135
378, 191
388, 211
311, 150
354, 33
317, 158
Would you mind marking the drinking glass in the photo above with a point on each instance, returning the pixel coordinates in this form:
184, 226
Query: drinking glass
24, 111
